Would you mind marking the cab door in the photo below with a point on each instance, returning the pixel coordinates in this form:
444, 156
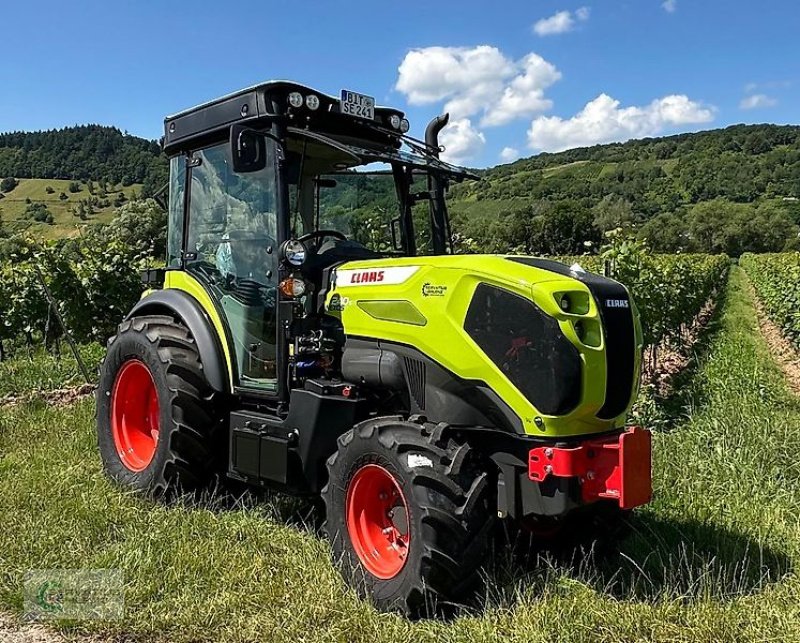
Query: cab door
229, 245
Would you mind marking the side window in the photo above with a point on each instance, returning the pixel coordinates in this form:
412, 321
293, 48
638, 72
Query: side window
177, 189
232, 218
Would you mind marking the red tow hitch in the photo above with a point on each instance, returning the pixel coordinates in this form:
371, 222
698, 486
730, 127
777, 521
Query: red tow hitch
618, 468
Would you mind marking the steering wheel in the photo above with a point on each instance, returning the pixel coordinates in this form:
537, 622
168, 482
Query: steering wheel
321, 234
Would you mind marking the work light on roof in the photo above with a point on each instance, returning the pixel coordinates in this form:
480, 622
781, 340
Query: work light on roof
405, 125
312, 102
394, 121
296, 99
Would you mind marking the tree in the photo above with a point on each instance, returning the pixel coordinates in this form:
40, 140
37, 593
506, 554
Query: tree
38, 212
90, 186
49, 189
611, 213
63, 197
8, 184
140, 226
667, 233
74, 187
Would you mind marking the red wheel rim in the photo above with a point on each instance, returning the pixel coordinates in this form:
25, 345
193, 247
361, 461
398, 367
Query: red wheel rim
377, 521
135, 415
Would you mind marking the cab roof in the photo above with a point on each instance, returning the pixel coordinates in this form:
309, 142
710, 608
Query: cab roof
209, 122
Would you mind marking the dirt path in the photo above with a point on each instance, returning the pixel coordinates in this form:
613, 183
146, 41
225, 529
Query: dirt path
58, 397
12, 632
786, 355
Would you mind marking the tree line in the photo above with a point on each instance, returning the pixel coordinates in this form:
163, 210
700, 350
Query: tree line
82, 153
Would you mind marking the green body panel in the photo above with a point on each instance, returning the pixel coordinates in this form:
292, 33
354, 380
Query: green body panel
440, 289
180, 280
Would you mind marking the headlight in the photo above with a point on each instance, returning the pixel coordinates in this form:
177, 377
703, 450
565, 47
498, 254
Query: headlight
405, 125
293, 252
312, 102
296, 99
394, 121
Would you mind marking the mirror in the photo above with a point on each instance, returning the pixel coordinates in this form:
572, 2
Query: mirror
248, 149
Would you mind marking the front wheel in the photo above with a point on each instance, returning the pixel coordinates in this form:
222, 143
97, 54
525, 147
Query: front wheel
408, 513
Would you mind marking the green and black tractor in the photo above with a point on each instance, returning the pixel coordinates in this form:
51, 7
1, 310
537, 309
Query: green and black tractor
313, 331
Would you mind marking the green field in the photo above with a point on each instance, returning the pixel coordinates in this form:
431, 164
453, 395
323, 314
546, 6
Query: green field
66, 224
713, 558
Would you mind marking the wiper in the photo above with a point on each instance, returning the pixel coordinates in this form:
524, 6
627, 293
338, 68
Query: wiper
414, 143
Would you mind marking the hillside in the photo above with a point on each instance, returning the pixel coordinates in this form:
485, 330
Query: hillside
741, 163
22, 209
84, 152
663, 185
729, 190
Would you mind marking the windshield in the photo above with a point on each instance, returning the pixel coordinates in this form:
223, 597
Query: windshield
361, 193
363, 206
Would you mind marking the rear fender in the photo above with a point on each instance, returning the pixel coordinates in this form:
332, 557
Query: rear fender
187, 309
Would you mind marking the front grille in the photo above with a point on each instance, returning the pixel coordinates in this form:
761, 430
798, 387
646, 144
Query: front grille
528, 346
616, 314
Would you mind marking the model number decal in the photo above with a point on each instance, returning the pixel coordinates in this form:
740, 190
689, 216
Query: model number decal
617, 303
375, 276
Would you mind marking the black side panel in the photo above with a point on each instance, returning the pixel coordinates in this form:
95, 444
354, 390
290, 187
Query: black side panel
177, 303
291, 452
528, 346
433, 391
613, 301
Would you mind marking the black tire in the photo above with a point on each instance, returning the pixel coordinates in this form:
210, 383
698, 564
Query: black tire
190, 444
450, 515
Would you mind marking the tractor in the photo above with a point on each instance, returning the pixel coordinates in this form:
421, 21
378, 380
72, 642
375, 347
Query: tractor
314, 331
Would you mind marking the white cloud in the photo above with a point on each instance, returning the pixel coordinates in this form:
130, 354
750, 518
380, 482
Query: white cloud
509, 154
461, 141
670, 5
524, 96
757, 101
560, 22
432, 74
602, 120
475, 80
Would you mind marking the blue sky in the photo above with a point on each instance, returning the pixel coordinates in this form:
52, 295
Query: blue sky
518, 76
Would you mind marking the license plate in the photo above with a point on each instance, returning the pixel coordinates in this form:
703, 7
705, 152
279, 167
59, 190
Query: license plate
358, 105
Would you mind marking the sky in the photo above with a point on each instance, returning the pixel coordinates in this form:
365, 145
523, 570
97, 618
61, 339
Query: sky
518, 77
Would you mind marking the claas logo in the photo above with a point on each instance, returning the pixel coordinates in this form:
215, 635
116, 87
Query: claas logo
367, 277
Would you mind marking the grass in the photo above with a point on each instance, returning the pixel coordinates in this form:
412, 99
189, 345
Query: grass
711, 559
66, 224
38, 370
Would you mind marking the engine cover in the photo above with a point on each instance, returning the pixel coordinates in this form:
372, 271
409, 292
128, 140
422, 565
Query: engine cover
560, 348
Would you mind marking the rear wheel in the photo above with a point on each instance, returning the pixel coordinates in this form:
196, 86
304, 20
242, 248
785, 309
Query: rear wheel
158, 421
408, 513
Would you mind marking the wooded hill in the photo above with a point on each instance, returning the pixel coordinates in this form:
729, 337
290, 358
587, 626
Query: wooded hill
740, 163
84, 152
728, 190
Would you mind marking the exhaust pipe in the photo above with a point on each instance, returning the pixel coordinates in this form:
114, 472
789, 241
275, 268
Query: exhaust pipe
436, 125
437, 185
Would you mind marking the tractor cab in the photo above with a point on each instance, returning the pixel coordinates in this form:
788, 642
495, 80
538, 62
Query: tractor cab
273, 186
